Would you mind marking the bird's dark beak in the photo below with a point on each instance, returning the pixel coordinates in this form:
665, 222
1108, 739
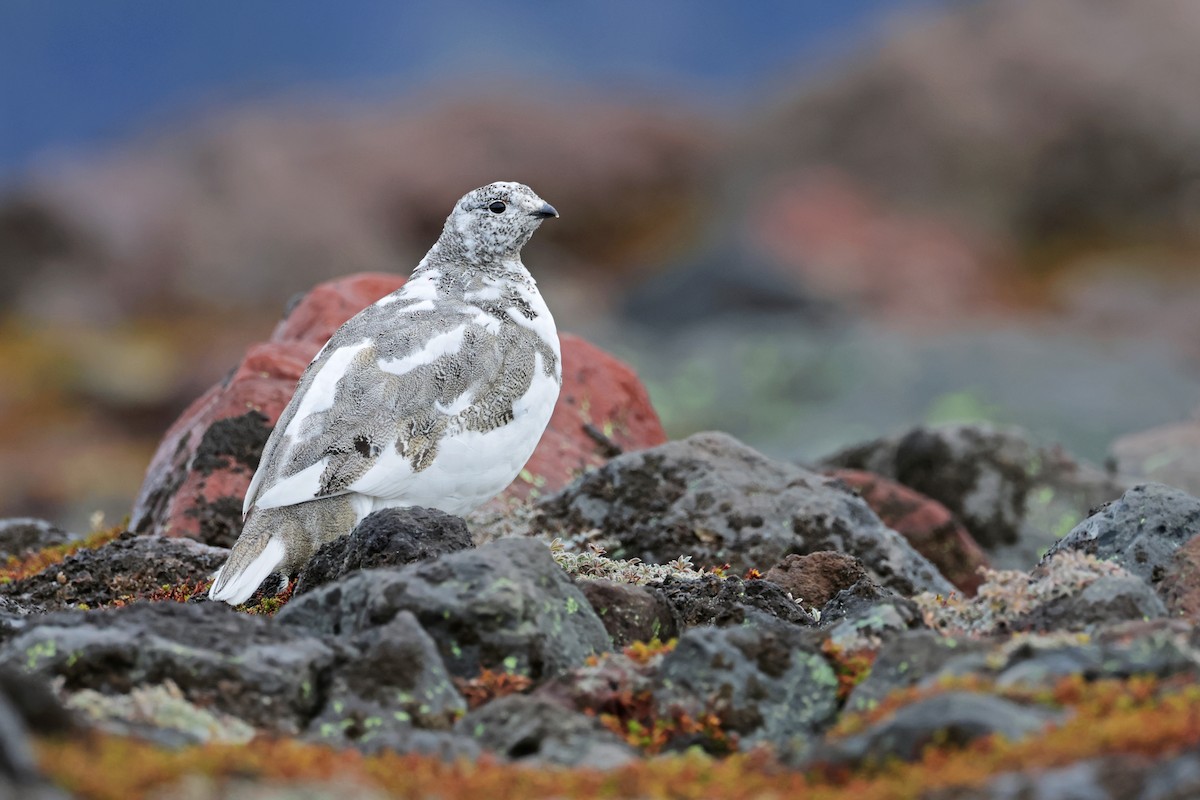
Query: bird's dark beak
545, 211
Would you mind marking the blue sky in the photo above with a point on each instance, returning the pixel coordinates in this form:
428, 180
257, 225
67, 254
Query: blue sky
79, 72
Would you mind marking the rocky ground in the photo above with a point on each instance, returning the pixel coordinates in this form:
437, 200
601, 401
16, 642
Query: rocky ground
957, 612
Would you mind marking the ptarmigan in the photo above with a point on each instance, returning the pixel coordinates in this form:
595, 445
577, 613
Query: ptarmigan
434, 396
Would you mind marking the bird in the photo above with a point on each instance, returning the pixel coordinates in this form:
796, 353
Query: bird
435, 395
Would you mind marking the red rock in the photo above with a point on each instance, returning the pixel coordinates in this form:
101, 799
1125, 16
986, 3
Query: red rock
816, 578
1180, 587
199, 475
925, 523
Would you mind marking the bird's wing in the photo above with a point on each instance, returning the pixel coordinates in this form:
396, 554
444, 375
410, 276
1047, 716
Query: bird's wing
372, 409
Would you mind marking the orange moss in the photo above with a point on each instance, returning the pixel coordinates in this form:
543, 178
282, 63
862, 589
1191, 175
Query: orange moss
16, 569
1138, 716
642, 653
269, 605
851, 667
489, 685
637, 720
179, 594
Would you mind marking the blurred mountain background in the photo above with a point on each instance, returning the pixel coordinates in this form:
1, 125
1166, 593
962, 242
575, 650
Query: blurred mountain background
805, 223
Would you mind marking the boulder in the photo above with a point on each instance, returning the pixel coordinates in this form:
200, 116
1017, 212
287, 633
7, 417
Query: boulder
814, 579
391, 537
198, 477
245, 666
1167, 454
712, 498
1015, 497
505, 606
768, 684
20, 536
1141, 531
630, 613
392, 680
711, 600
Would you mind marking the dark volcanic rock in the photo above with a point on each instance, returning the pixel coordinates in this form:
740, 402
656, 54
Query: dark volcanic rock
393, 680
246, 666
1180, 587
767, 684
815, 578
630, 613
1140, 531
710, 600
1015, 498
504, 606
714, 499
392, 537
20, 536
126, 568
539, 731
952, 718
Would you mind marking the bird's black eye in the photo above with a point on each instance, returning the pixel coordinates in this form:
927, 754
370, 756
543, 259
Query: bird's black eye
497, 207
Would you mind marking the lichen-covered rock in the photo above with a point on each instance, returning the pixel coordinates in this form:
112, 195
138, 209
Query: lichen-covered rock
393, 679
505, 606
1113, 777
714, 499
1073, 591
199, 475
1140, 531
1167, 454
630, 613
950, 719
387, 538
20, 536
907, 660
866, 613
767, 684
925, 523
243, 665
711, 600
1016, 498
126, 568
536, 730
20, 774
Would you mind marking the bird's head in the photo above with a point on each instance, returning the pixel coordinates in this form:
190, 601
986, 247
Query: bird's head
493, 222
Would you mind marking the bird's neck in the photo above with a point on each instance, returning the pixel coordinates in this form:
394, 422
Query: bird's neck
457, 270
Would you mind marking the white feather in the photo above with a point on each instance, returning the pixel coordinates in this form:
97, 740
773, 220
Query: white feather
239, 588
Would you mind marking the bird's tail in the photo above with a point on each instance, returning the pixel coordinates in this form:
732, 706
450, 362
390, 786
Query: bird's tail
280, 540
258, 552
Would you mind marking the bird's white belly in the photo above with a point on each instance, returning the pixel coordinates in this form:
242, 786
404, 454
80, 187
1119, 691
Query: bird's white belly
470, 467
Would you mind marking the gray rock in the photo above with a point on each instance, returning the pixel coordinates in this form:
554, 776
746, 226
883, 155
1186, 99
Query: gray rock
391, 537
1141, 530
866, 613
767, 685
128, 567
243, 665
905, 661
393, 679
714, 499
1015, 497
504, 606
954, 718
20, 536
539, 731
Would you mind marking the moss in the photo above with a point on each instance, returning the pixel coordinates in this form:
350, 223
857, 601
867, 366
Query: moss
1138, 716
15, 569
